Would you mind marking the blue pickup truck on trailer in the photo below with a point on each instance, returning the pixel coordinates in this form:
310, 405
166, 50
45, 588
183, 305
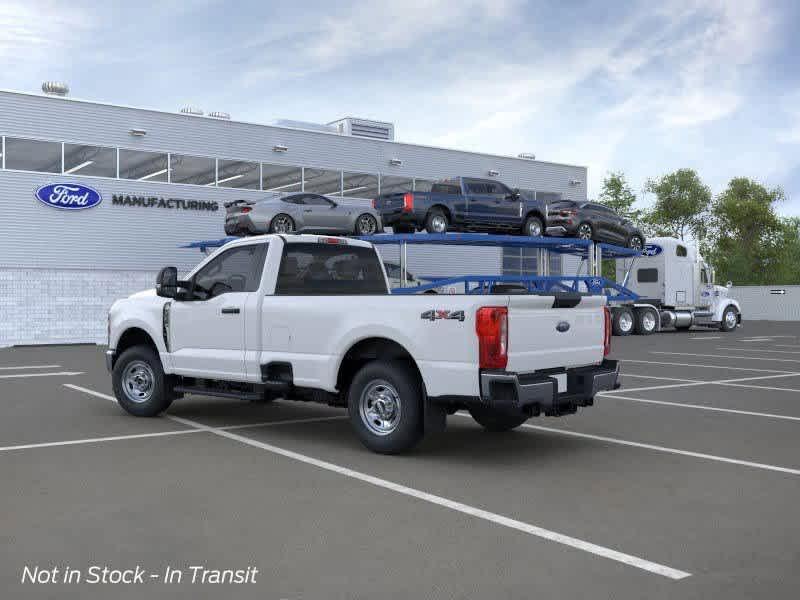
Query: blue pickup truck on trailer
464, 204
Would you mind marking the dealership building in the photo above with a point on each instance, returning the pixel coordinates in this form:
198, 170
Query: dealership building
161, 179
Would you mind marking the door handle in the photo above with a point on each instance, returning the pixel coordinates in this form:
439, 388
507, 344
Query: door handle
307, 210
230, 310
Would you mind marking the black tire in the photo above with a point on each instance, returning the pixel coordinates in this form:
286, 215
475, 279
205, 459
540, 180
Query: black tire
496, 420
398, 382
622, 321
643, 325
433, 220
362, 229
584, 231
636, 242
277, 219
136, 400
533, 223
724, 325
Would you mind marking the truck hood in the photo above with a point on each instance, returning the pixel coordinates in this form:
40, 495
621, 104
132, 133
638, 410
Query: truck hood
144, 294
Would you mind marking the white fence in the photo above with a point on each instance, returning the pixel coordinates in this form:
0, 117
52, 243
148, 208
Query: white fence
768, 302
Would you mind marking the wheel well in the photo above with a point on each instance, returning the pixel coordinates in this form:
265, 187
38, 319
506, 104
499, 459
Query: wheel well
134, 337
368, 350
535, 213
444, 209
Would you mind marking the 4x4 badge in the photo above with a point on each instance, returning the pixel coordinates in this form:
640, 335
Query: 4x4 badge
433, 315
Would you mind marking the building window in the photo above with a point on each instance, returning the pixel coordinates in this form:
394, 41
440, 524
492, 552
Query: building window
524, 261
396, 185
360, 185
238, 174
280, 178
323, 181
144, 166
33, 155
90, 160
196, 170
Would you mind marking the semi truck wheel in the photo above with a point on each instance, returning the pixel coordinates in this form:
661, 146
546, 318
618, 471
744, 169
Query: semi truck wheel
730, 319
622, 323
385, 406
139, 382
496, 420
646, 321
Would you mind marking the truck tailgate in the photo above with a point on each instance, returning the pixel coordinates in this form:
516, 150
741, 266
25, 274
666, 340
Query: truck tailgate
543, 337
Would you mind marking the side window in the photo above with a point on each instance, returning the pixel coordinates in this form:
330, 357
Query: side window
680, 251
329, 269
235, 270
317, 201
474, 187
295, 199
647, 275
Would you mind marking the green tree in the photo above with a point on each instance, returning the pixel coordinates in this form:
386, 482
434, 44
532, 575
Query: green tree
618, 195
681, 205
749, 243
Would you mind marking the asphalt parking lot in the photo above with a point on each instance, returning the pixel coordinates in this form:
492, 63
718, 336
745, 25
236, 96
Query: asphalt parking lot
685, 483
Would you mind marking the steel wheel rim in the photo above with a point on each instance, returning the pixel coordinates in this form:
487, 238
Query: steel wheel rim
636, 243
648, 321
534, 228
439, 223
282, 225
138, 382
730, 319
585, 232
366, 225
379, 407
625, 322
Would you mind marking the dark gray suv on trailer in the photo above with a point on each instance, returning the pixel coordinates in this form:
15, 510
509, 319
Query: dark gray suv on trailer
592, 221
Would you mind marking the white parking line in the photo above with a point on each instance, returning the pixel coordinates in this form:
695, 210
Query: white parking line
794, 360
759, 350
20, 375
786, 345
479, 513
696, 382
728, 367
711, 337
97, 440
626, 374
712, 457
30, 367
702, 407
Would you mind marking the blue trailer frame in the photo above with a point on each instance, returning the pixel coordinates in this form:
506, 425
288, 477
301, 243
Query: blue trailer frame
593, 284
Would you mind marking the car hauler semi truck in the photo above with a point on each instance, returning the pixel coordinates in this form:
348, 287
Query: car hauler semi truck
676, 289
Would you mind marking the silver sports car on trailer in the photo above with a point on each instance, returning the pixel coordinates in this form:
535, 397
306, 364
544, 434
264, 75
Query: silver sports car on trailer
300, 212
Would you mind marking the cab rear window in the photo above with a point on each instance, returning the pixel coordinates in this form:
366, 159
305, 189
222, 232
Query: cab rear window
322, 269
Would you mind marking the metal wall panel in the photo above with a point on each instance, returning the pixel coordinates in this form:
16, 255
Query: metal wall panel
768, 303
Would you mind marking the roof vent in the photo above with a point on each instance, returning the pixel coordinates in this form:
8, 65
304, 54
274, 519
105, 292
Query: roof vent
216, 114
55, 88
192, 110
527, 155
376, 130
303, 125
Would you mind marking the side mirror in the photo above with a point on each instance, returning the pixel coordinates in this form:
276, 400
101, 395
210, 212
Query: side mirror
729, 285
167, 282
333, 204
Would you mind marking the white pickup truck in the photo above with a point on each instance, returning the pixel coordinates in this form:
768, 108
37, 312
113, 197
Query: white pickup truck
311, 318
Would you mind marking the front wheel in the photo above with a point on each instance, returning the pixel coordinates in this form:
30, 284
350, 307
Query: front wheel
385, 406
139, 382
366, 224
533, 227
496, 420
730, 319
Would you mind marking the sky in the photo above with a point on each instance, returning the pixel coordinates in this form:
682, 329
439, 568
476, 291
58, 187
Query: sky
639, 87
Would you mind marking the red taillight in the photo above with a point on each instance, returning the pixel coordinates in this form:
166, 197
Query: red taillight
408, 202
569, 213
491, 325
606, 331
246, 209
332, 240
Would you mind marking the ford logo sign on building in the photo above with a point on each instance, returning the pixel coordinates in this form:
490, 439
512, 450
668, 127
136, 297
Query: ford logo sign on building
68, 196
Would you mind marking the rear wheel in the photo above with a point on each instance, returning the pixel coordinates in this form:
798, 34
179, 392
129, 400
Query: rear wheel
533, 227
730, 319
282, 224
139, 382
496, 420
385, 406
584, 231
635, 242
622, 321
437, 221
646, 321
366, 224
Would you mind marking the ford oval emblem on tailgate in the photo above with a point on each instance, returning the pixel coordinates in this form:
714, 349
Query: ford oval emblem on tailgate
562, 326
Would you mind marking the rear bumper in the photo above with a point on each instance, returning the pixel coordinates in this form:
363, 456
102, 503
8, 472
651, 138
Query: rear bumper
398, 216
539, 392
